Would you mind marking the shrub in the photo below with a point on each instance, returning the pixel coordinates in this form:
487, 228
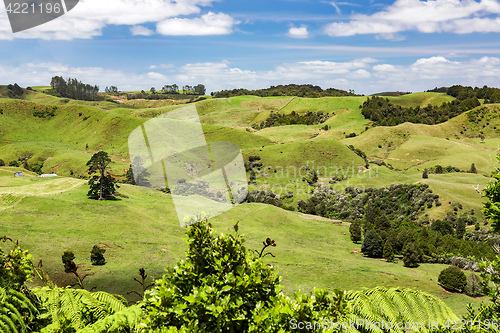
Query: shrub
425, 174
355, 230
411, 255
67, 259
473, 287
460, 229
473, 168
2, 162
219, 287
267, 197
97, 256
14, 164
372, 245
452, 279
388, 252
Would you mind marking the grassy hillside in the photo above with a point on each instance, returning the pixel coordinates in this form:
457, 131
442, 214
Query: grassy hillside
140, 228
421, 99
56, 216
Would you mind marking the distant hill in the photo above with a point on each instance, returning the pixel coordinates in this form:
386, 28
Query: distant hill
303, 90
392, 93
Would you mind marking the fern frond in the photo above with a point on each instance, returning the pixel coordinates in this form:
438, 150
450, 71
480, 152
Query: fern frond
79, 306
16, 311
396, 305
126, 320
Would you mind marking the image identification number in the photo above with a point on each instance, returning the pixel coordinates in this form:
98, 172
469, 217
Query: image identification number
26, 8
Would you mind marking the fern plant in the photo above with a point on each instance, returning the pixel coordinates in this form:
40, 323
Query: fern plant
124, 321
78, 306
396, 305
16, 311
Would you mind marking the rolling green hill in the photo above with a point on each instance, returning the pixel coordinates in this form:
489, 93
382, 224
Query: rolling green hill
49, 216
55, 216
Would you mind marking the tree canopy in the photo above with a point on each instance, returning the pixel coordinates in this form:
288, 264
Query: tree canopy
102, 184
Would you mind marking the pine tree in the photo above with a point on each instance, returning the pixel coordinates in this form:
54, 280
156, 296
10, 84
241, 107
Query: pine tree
473, 168
388, 252
102, 185
411, 255
355, 230
372, 244
460, 229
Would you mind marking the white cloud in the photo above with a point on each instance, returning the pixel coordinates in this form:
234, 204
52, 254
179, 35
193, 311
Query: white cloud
208, 24
139, 30
454, 16
298, 32
363, 75
161, 66
89, 17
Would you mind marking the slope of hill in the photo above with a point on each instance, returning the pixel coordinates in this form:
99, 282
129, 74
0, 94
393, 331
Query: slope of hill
57, 132
56, 216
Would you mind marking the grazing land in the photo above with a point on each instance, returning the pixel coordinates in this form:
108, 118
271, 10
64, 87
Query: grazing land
139, 228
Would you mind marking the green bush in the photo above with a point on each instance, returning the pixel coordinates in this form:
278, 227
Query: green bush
388, 252
452, 279
372, 245
221, 287
473, 287
411, 255
2, 162
97, 256
355, 231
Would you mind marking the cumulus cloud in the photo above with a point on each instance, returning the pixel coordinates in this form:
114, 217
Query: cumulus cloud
298, 32
208, 24
365, 75
89, 17
453, 16
139, 30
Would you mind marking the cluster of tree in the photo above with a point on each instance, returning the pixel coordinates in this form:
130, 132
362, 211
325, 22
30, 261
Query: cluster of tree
303, 90
72, 88
489, 94
14, 91
158, 95
45, 112
454, 279
398, 202
293, 118
438, 169
201, 188
220, 286
34, 166
393, 93
384, 238
112, 89
384, 113
360, 153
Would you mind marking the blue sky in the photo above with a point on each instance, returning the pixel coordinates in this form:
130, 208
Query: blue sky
368, 46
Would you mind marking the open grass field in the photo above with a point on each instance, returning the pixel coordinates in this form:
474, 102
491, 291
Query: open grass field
421, 99
141, 229
310, 253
